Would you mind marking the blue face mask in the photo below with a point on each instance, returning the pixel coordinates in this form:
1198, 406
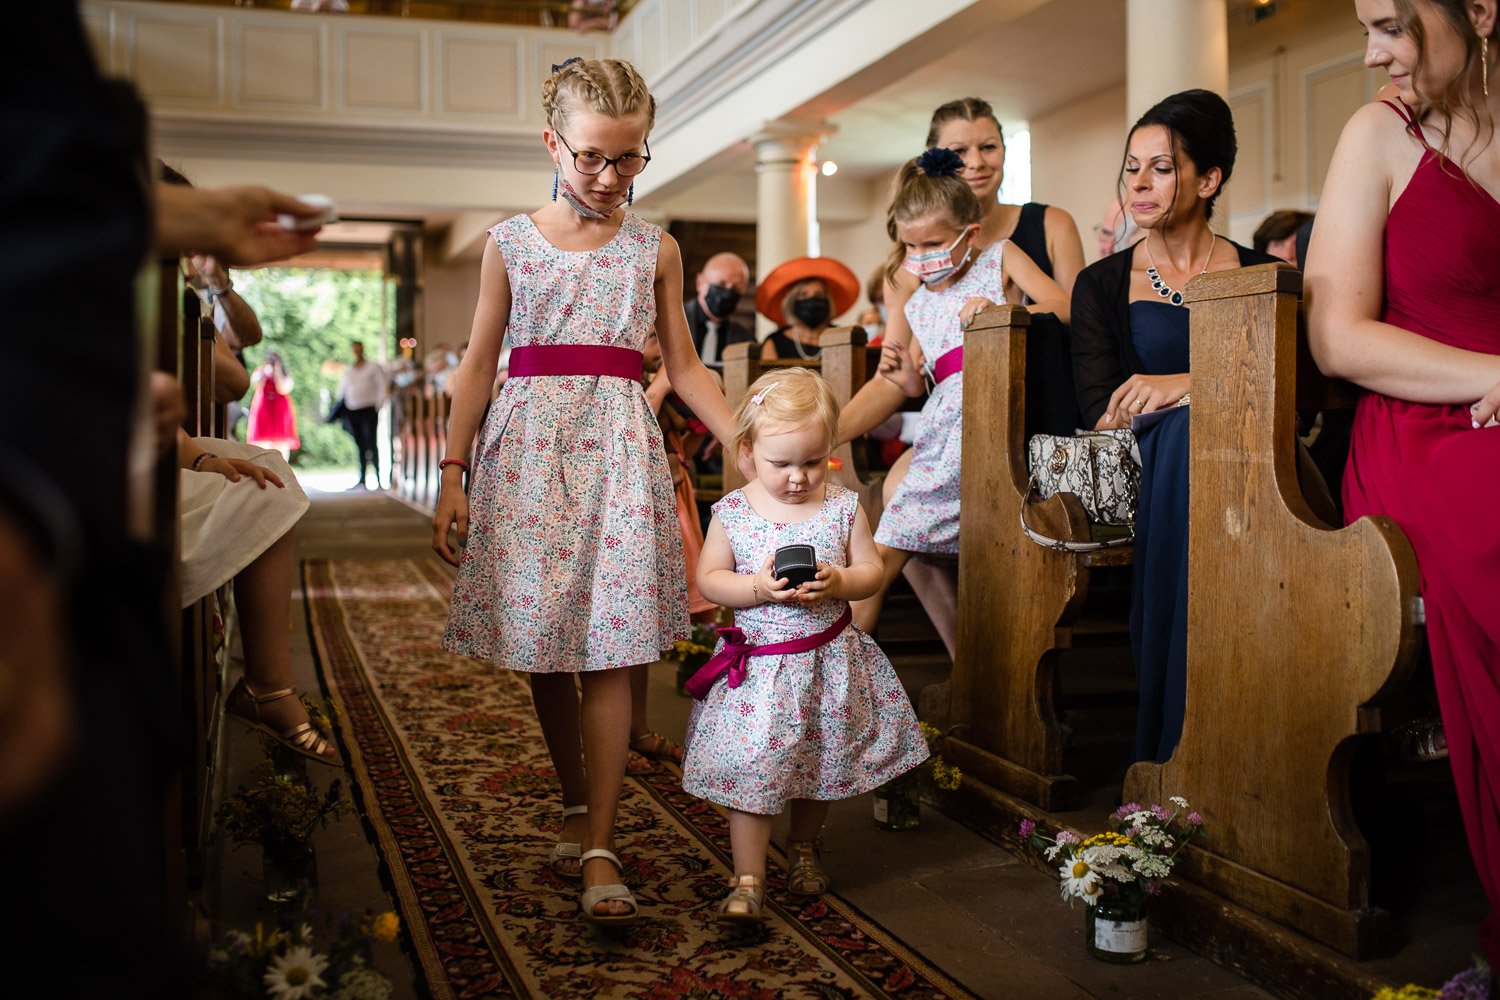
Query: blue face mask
933, 266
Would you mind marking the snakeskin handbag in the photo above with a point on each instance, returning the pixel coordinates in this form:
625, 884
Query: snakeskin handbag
1101, 468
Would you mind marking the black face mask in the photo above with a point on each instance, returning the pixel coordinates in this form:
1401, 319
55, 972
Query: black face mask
721, 300
813, 312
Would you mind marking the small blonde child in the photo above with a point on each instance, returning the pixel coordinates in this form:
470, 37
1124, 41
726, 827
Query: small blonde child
798, 706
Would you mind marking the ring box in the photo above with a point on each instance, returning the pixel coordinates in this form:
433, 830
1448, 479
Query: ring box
797, 564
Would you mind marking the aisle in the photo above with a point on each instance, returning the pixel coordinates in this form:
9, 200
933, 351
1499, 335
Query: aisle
964, 906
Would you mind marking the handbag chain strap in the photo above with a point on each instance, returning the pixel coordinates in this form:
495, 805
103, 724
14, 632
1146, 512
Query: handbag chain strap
1047, 541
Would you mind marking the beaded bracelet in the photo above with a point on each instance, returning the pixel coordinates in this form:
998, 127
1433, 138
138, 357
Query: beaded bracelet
202, 457
453, 461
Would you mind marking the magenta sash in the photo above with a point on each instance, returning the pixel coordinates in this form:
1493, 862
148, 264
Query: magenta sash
575, 359
951, 363
732, 658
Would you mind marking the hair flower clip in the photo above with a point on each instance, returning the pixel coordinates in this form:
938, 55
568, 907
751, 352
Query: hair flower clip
760, 397
566, 63
940, 162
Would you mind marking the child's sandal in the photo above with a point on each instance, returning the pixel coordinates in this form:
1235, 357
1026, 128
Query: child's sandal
742, 907
594, 895
569, 852
805, 874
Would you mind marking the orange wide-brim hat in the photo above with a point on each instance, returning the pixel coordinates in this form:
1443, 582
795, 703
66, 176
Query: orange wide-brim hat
843, 286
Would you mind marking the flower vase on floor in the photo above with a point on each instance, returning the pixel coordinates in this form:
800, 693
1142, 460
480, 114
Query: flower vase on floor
291, 871
898, 803
1115, 930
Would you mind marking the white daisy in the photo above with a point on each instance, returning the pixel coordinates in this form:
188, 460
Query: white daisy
1079, 880
295, 974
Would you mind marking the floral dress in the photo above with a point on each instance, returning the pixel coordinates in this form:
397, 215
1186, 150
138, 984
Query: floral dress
573, 558
923, 513
826, 724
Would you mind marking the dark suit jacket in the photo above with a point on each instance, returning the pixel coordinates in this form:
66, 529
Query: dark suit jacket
729, 331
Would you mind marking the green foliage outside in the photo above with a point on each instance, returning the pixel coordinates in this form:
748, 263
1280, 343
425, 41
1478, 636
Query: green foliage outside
310, 317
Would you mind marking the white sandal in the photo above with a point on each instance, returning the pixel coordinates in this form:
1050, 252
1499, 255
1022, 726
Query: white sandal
595, 895
565, 851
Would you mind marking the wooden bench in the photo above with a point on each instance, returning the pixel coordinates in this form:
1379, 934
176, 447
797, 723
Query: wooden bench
1017, 600
1296, 630
419, 441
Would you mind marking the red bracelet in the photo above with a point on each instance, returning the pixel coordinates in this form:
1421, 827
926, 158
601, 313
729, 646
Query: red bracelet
453, 461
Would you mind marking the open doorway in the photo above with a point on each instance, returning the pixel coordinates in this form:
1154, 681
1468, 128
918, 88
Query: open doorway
311, 316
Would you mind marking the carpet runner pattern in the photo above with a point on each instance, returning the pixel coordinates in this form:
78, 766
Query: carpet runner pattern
453, 777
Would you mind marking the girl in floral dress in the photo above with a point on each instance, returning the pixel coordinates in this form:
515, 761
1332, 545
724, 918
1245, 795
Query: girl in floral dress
798, 705
934, 219
568, 553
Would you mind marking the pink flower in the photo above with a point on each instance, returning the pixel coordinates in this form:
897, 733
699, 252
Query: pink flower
1027, 829
1195, 818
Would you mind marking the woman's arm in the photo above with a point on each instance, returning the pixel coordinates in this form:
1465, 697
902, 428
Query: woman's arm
878, 398
1345, 288
1065, 248
690, 380
1046, 294
1096, 345
231, 381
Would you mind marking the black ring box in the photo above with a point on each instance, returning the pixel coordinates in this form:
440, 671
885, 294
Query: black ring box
797, 564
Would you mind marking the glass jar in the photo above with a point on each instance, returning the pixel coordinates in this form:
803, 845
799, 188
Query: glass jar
290, 869
898, 803
1115, 930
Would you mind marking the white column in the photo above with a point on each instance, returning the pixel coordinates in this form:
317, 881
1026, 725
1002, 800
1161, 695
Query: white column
786, 198
1174, 45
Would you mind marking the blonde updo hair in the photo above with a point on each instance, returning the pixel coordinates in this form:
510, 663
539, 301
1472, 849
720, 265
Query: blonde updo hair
790, 397
609, 87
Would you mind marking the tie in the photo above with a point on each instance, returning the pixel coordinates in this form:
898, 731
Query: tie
710, 352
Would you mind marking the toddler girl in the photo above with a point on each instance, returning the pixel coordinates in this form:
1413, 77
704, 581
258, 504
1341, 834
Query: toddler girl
798, 704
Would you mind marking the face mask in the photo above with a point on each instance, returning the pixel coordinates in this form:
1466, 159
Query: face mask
933, 266
721, 300
813, 312
583, 208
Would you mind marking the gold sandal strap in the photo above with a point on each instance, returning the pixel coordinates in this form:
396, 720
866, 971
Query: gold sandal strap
306, 737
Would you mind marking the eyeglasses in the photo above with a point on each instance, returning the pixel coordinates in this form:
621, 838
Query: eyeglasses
592, 164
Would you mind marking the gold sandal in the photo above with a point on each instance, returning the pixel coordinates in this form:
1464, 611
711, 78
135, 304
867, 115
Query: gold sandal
657, 747
244, 704
594, 895
805, 874
567, 853
742, 907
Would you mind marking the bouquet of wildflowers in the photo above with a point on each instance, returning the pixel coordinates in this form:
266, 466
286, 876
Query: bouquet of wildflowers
692, 653
945, 775
1471, 984
287, 964
1126, 862
278, 807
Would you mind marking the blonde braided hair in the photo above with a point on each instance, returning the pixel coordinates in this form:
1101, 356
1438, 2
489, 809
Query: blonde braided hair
609, 87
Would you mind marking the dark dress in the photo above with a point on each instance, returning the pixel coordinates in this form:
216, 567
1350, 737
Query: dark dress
1158, 599
789, 349
1051, 400
1425, 466
1114, 338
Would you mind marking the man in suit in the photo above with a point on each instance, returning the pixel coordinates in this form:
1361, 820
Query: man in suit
720, 284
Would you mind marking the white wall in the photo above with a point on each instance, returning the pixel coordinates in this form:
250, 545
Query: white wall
1075, 159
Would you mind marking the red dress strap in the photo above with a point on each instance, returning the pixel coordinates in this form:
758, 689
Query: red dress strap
1408, 116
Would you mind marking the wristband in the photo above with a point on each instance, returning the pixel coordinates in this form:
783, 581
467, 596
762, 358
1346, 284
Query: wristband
453, 461
202, 457
215, 293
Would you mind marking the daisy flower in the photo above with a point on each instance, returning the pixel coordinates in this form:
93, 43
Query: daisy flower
1078, 879
295, 974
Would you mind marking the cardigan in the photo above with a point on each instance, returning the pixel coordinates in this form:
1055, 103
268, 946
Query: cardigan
1103, 353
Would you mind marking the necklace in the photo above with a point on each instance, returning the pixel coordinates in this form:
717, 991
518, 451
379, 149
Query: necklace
1163, 289
797, 343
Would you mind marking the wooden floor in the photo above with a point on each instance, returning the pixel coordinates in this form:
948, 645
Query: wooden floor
982, 915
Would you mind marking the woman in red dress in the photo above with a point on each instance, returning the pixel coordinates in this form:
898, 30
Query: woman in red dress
1403, 283
273, 418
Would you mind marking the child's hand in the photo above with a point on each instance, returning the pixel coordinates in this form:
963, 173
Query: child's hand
895, 364
233, 468
452, 512
972, 308
768, 588
828, 584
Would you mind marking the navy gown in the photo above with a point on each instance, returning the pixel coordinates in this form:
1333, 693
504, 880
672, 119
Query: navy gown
1158, 602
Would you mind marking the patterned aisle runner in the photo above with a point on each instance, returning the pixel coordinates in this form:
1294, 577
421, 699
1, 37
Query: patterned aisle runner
456, 785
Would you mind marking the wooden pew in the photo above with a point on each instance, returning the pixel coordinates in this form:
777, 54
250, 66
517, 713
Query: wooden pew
1017, 601
1296, 631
